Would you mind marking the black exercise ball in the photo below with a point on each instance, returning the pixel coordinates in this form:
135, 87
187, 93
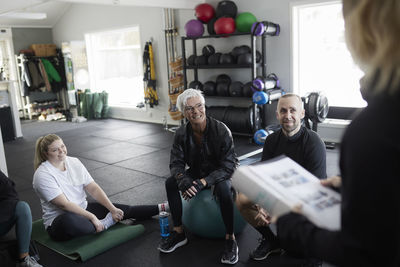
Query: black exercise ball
209, 88
196, 85
210, 26
190, 60
235, 52
223, 78
200, 60
247, 91
208, 50
223, 89
236, 89
244, 59
214, 59
245, 49
226, 9
226, 59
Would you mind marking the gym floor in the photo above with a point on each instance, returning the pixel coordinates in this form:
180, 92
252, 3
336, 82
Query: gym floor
129, 160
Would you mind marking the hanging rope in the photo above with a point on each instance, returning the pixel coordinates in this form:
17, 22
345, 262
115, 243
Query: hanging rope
149, 77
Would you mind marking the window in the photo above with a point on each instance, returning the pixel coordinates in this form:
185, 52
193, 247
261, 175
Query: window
115, 65
320, 59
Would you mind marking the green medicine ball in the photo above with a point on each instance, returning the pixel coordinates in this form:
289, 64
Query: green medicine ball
244, 21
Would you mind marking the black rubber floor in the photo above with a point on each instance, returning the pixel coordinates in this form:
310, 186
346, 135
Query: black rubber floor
130, 162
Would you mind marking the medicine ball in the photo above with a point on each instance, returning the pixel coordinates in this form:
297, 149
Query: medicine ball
223, 78
244, 21
258, 57
244, 59
236, 89
226, 59
190, 60
224, 26
245, 49
226, 9
194, 28
222, 88
210, 26
235, 52
209, 88
214, 59
247, 91
196, 85
204, 12
208, 50
200, 60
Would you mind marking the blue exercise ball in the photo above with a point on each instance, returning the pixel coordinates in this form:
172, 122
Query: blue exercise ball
202, 216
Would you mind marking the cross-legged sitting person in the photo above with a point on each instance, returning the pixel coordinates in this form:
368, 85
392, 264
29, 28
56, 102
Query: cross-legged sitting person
14, 212
61, 182
298, 143
205, 145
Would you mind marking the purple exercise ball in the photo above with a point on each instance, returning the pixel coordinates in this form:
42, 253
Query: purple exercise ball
194, 28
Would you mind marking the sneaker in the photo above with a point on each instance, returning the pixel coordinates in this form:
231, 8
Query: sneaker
263, 250
29, 262
108, 221
231, 252
172, 242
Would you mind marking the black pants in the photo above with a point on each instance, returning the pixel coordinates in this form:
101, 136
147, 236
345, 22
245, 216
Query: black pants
223, 192
69, 225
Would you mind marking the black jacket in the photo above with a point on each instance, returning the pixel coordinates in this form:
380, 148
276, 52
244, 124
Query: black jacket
305, 147
370, 169
215, 160
8, 198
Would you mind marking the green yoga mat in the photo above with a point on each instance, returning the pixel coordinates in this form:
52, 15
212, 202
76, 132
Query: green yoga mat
88, 246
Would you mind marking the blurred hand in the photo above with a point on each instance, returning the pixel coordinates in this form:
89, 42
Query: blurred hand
296, 209
117, 214
97, 224
262, 217
334, 181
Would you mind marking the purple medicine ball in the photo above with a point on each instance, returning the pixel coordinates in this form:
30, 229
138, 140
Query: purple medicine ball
194, 28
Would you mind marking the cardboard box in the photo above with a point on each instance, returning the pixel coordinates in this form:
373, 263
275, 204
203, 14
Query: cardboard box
44, 50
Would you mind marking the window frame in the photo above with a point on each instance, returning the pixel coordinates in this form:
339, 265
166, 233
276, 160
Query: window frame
90, 58
335, 112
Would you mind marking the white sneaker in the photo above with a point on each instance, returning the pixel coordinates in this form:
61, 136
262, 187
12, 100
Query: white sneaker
29, 262
108, 221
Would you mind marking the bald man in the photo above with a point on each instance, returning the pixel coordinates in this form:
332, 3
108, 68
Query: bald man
296, 142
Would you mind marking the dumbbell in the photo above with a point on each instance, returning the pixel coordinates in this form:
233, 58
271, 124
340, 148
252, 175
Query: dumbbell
260, 136
271, 81
265, 27
261, 97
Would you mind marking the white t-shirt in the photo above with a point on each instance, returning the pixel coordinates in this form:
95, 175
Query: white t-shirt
50, 182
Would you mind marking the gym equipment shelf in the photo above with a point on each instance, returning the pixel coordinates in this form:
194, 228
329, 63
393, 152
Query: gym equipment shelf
253, 66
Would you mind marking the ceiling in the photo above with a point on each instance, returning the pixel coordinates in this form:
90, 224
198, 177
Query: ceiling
54, 9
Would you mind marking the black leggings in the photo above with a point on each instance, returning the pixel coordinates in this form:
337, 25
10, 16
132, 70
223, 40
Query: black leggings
69, 225
223, 192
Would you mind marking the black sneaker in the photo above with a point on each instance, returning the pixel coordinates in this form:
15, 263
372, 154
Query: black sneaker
263, 250
231, 252
172, 242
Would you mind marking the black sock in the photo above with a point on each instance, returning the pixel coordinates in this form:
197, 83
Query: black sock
267, 233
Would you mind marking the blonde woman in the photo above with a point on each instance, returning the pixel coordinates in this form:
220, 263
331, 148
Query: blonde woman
61, 182
370, 152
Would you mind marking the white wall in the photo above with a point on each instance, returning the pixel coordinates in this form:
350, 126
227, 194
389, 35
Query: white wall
82, 18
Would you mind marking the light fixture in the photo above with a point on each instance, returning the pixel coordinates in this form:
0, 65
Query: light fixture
24, 15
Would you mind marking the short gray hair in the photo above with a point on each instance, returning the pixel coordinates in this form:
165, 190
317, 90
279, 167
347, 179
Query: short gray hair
188, 93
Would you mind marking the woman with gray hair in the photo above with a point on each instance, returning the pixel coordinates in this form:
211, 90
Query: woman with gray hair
370, 152
205, 145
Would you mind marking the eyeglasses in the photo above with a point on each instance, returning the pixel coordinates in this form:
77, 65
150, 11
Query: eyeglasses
198, 106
